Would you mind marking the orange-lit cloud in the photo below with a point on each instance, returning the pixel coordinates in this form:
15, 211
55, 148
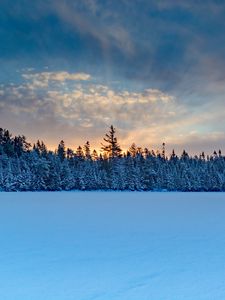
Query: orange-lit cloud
72, 106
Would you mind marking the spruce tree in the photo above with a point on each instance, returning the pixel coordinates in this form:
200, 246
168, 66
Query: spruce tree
61, 152
112, 148
87, 150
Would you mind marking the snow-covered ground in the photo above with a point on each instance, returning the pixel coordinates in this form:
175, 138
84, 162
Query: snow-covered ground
112, 246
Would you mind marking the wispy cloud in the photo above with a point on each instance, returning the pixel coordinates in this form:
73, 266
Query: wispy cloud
108, 34
42, 79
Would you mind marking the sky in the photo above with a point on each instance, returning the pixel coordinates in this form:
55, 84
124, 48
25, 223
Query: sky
154, 69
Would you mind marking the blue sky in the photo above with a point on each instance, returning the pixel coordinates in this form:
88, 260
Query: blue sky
155, 69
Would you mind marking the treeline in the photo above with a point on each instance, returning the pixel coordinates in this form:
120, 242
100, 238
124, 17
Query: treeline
26, 167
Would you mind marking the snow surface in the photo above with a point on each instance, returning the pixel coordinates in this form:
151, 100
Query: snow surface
112, 246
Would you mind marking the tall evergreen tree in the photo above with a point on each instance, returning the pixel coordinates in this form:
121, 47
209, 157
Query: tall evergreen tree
133, 150
112, 148
61, 152
87, 150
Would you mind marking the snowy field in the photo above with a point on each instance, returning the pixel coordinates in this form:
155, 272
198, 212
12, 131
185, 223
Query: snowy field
112, 246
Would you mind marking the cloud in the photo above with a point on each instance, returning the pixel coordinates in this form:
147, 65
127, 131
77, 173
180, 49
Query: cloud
42, 79
174, 46
56, 76
54, 105
83, 18
167, 58
62, 97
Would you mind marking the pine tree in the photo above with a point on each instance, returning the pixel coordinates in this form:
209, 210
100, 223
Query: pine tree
112, 149
1, 176
163, 150
66, 176
8, 179
94, 155
87, 151
61, 152
133, 150
20, 145
22, 169
80, 153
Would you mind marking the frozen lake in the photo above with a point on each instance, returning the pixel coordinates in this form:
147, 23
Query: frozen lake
112, 246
